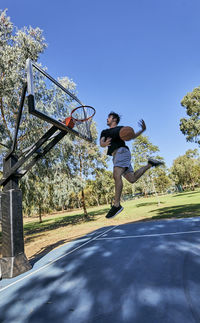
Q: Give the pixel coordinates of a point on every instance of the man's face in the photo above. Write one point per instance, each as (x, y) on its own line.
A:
(110, 120)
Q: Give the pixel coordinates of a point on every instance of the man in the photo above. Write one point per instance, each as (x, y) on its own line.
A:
(121, 158)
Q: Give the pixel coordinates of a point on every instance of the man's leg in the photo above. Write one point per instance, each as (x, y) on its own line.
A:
(117, 208)
(132, 177)
(117, 175)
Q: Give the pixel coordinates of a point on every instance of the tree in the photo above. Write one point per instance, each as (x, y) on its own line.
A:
(142, 149)
(190, 126)
(128, 190)
(185, 170)
(162, 180)
(101, 189)
(15, 47)
(88, 160)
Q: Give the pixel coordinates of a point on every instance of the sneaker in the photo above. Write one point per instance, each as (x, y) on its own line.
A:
(114, 211)
(155, 163)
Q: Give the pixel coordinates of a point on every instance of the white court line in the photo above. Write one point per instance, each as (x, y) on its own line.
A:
(148, 235)
(53, 261)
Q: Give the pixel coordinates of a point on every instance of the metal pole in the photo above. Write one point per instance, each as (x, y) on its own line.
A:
(13, 261)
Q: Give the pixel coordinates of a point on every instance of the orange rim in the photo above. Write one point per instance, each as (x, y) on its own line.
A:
(89, 112)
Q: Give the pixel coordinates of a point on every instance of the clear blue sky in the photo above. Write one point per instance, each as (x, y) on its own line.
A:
(136, 57)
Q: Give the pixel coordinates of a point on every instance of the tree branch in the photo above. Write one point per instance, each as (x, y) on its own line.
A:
(3, 118)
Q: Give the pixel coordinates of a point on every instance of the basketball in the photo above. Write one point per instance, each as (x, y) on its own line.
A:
(127, 133)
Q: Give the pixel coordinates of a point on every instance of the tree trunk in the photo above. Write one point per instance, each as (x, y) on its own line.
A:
(83, 204)
(40, 213)
(97, 200)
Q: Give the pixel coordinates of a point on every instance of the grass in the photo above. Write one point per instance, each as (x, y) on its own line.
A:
(58, 229)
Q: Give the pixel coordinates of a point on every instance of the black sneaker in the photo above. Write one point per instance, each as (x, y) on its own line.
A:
(114, 211)
(155, 163)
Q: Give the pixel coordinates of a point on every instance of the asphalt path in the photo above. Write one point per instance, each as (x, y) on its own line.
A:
(144, 272)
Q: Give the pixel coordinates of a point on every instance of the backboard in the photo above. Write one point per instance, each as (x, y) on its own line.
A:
(52, 102)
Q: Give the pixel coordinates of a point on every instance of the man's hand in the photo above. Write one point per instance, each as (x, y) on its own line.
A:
(105, 143)
(142, 124)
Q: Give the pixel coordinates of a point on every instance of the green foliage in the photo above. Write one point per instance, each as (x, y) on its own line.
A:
(162, 181)
(185, 170)
(101, 189)
(15, 47)
(142, 149)
(190, 126)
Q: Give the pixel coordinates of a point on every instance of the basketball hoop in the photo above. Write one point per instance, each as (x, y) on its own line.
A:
(80, 114)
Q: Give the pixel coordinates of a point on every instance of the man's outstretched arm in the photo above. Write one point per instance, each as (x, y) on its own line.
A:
(141, 124)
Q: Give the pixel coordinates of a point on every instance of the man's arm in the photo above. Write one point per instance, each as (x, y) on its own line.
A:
(105, 143)
(141, 124)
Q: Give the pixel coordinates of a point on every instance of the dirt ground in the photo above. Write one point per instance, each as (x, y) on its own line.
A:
(39, 243)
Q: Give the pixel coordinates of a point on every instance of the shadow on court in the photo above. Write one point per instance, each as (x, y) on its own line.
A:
(45, 250)
(140, 272)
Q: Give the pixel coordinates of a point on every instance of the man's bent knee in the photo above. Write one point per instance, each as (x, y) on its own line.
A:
(118, 172)
(130, 177)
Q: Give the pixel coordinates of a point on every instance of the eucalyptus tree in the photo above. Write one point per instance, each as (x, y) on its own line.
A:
(100, 190)
(88, 159)
(16, 45)
(142, 149)
(185, 170)
(190, 126)
(162, 180)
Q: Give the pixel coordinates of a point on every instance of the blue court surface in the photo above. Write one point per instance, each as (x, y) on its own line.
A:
(144, 272)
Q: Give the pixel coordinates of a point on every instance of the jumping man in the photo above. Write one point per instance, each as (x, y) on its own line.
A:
(121, 159)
